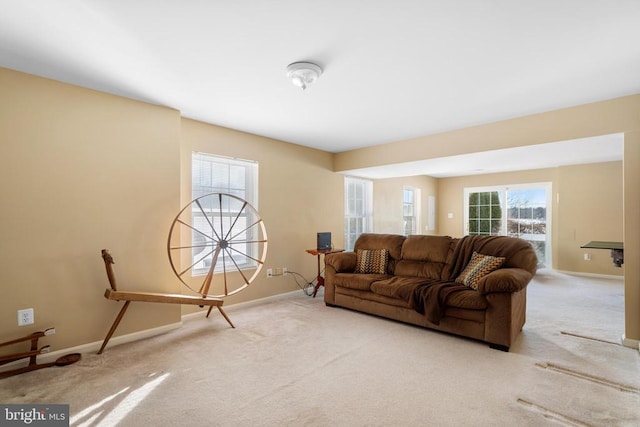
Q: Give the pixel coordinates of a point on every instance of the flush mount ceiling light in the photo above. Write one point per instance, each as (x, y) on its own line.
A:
(302, 74)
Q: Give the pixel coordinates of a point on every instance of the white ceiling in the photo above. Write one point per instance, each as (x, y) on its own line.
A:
(393, 70)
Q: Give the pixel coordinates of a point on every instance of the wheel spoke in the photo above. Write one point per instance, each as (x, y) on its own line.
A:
(245, 229)
(195, 229)
(235, 220)
(246, 281)
(244, 254)
(221, 218)
(207, 218)
(204, 245)
(196, 262)
(224, 273)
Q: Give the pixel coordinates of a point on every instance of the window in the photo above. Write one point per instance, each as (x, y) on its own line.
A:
(484, 213)
(358, 195)
(410, 210)
(522, 211)
(214, 174)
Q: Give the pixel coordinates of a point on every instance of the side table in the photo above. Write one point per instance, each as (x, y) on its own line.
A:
(319, 278)
(617, 250)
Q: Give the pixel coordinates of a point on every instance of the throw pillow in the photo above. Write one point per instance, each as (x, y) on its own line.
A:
(479, 266)
(372, 261)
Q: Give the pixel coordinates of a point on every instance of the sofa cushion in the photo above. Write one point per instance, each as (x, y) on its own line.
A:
(357, 281)
(425, 270)
(518, 253)
(397, 286)
(425, 256)
(372, 261)
(363, 298)
(426, 248)
(479, 266)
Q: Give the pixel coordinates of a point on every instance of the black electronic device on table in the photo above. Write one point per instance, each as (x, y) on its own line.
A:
(324, 241)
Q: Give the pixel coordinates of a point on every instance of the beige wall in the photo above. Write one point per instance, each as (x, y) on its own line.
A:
(631, 180)
(83, 170)
(586, 205)
(387, 202)
(620, 115)
(299, 194)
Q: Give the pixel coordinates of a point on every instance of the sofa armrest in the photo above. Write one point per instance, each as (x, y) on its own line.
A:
(504, 280)
(341, 262)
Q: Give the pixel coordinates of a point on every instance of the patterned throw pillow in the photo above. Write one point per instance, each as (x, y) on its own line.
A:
(372, 261)
(479, 266)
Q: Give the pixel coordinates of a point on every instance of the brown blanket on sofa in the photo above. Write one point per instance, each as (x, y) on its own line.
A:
(430, 298)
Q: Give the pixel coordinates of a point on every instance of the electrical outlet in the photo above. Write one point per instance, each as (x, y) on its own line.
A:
(587, 257)
(25, 317)
(269, 272)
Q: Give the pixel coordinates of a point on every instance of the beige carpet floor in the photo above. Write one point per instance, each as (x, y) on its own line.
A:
(295, 362)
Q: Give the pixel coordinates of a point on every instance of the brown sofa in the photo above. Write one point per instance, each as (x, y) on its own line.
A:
(418, 284)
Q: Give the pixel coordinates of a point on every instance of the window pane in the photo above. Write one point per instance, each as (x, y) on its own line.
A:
(214, 174)
(358, 209)
(237, 176)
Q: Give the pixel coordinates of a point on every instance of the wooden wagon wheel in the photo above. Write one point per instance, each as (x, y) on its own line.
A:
(227, 236)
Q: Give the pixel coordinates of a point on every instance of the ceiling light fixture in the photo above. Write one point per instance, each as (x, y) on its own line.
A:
(302, 74)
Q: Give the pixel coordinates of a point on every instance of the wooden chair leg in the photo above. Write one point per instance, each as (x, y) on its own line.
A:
(114, 326)
(209, 311)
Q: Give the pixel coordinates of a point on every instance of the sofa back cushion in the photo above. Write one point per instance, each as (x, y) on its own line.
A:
(517, 253)
(391, 242)
(425, 256)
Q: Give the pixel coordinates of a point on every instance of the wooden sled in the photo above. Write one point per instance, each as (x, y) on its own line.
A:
(33, 353)
(127, 297)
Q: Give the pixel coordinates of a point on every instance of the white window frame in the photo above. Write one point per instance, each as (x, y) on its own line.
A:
(410, 210)
(245, 188)
(503, 190)
(358, 209)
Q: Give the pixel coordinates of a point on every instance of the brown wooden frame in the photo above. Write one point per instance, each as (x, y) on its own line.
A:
(127, 297)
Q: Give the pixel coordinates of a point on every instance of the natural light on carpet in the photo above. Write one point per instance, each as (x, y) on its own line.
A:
(118, 413)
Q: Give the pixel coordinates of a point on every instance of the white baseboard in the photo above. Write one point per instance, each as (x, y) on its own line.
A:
(135, 336)
(123, 339)
(250, 303)
(95, 346)
(594, 275)
(631, 343)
